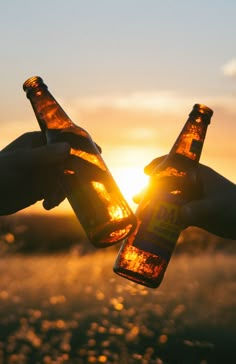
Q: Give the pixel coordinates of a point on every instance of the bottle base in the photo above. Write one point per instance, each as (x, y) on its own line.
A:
(111, 234)
(138, 278)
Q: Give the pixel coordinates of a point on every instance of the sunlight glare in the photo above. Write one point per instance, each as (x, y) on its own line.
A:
(131, 180)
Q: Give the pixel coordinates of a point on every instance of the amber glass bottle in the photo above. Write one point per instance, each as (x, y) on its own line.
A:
(89, 186)
(145, 254)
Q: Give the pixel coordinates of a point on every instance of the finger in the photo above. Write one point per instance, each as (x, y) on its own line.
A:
(88, 170)
(50, 154)
(207, 215)
(54, 200)
(185, 185)
(154, 163)
(27, 140)
(47, 182)
(99, 148)
(41, 156)
(197, 212)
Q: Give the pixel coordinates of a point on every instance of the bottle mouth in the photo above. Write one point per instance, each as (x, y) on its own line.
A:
(203, 109)
(32, 82)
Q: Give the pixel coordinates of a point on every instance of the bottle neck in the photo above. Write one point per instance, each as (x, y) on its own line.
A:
(48, 112)
(190, 141)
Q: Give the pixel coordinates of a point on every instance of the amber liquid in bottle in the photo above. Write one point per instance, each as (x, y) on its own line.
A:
(88, 184)
(145, 254)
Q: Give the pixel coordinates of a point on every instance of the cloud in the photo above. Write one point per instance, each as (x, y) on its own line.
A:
(134, 101)
(162, 103)
(229, 68)
(144, 116)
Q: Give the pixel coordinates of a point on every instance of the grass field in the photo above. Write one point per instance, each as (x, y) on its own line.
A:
(73, 309)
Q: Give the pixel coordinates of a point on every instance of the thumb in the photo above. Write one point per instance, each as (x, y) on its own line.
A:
(45, 155)
(148, 169)
(51, 153)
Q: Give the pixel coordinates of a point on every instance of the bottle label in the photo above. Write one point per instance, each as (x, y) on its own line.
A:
(196, 146)
(160, 226)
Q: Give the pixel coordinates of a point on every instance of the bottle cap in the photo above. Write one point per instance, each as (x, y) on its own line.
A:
(32, 83)
(205, 111)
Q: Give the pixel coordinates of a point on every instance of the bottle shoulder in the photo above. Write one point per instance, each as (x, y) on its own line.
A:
(77, 130)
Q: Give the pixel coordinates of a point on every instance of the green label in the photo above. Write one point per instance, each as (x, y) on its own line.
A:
(160, 226)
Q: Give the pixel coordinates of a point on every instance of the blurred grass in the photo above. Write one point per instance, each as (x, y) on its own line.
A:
(40, 233)
(74, 309)
(61, 302)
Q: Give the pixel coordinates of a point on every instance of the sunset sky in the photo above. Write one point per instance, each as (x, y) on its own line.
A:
(128, 71)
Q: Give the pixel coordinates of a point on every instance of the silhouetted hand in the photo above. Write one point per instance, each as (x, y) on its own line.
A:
(214, 208)
(30, 171)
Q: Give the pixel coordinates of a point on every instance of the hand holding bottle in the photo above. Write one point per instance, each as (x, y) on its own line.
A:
(31, 171)
(214, 210)
(87, 182)
(145, 255)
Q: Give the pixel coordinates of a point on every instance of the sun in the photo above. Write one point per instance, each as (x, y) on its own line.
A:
(130, 180)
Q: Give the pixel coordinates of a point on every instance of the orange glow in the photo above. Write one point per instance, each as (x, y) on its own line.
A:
(90, 157)
(131, 180)
(131, 254)
(114, 211)
(68, 171)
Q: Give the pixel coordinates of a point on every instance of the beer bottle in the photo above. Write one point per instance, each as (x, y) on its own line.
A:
(145, 254)
(88, 184)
